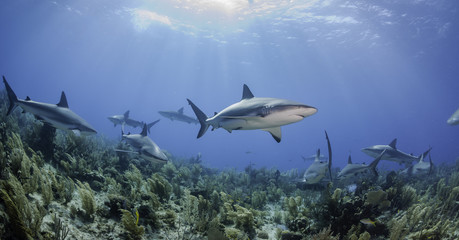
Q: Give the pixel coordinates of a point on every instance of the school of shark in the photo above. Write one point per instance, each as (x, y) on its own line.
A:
(359, 200)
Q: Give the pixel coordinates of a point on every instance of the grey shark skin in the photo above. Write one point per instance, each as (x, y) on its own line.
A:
(392, 153)
(178, 115)
(354, 170)
(251, 113)
(125, 120)
(119, 119)
(420, 168)
(316, 171)
(145, 146)
(57, 115)
(454, 119)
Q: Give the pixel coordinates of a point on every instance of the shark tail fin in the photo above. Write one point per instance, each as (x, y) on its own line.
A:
(329, 156)
(201, 117)
(151, 125)
(375, 163)
(11, 97)
(431, 165)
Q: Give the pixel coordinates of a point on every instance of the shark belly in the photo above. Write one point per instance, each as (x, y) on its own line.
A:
(257, 122)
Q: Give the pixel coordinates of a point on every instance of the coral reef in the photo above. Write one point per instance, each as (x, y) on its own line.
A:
(55, 185)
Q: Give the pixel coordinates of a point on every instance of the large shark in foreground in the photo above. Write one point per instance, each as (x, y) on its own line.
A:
(454, 119)
(392, 153)
(317, 170)
(251, 113)
(57, 115)
(352, 170)
(178, 115)
(145, 146)
(125, 120)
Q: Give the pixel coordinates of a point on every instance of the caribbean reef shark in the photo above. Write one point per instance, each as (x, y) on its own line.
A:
(420, 168)
(454, 119)
(317, 170)
(144, 146)
(392, 153)
(125, 120)
(57, 115)
(355, 170)
(251, 113)
(178, 115)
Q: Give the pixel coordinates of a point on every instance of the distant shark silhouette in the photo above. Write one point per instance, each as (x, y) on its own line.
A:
(251, 113)
(57, 115)
(144, 146)
(392, 153)
(125, 120)
(178, 115)
(454, 119)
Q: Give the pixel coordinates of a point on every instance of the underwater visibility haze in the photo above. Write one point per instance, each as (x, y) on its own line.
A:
(380, 77)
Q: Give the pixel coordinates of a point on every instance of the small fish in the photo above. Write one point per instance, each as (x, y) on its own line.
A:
(368, 223)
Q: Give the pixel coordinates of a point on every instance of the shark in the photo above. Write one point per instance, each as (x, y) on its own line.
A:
(125, 120)
(392, 153)
(251, 113)
(56, 115)
(178, 115)
(354, 170)
(318, 169)
(420, 168)
(454, 119)
(144, 146)
(119, 119)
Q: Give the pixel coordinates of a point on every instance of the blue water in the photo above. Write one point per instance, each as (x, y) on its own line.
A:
(376, 70)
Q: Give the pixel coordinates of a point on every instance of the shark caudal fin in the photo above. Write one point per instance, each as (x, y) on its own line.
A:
(151, 125)
(424, 155)
(11, 96)
(201, 117)
(329, 155)
(375, 163)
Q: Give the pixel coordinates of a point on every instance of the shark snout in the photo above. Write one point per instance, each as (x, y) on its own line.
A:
(307, 111)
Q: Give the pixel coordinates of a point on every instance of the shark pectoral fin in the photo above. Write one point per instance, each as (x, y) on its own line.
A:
(275, 132)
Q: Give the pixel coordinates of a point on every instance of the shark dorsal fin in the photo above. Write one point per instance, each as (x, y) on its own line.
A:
(246, 93)
(393, 144)
(318, 155)
(180, 110)
(349, 160)
(144, 130)
(27, 98)
(63, 102)
(126, 114)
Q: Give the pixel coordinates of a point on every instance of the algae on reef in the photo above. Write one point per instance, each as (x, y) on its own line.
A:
(98, 193)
